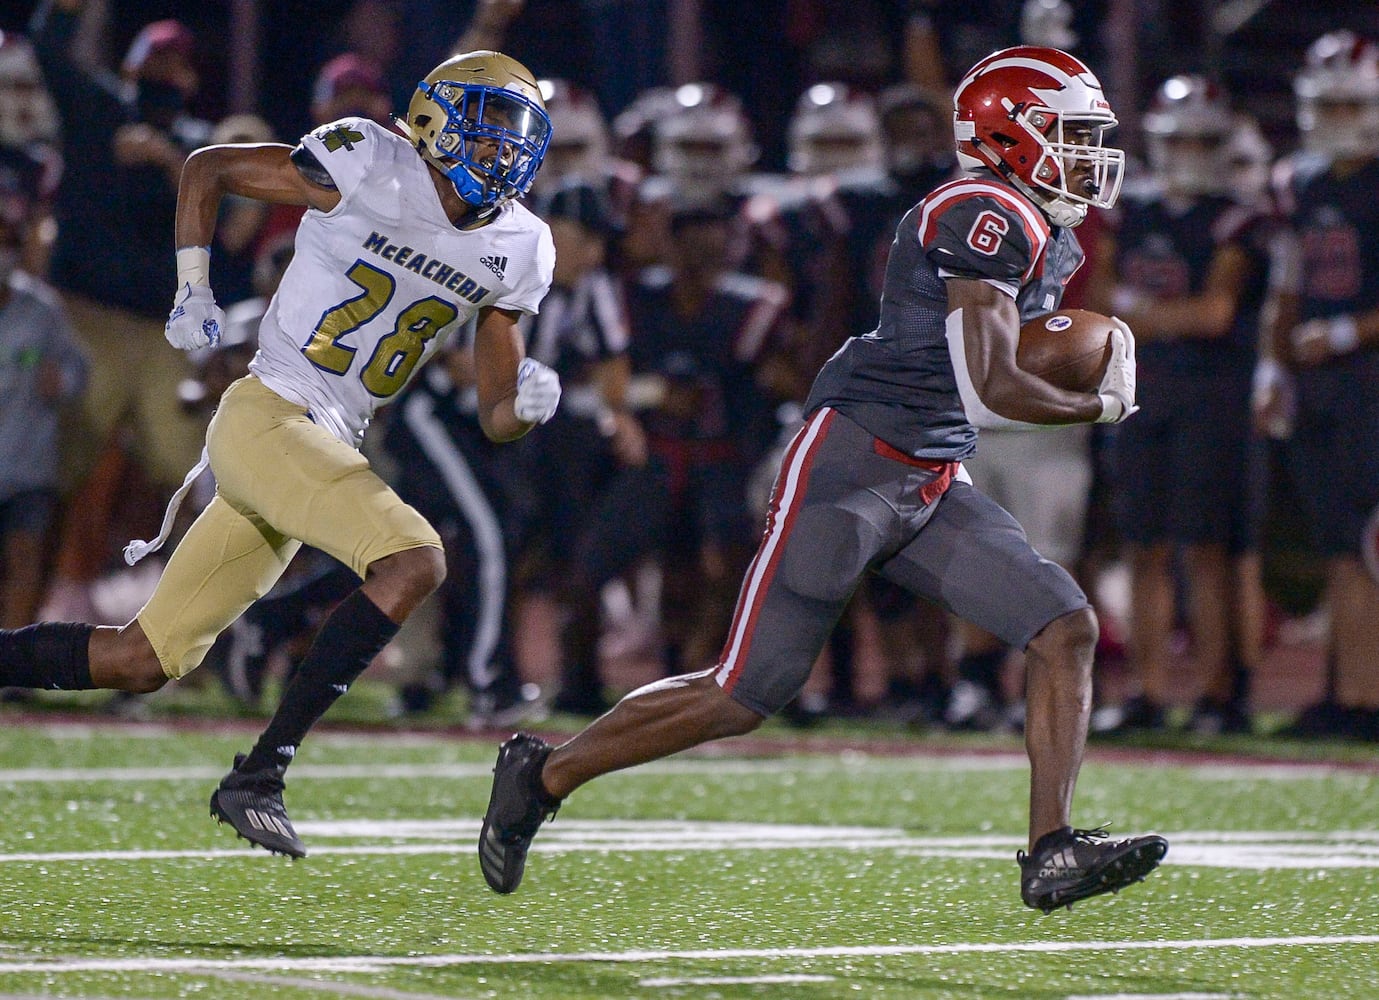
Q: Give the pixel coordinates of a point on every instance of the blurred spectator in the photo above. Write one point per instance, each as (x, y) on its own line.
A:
(1185, 266)
(350, 85)
(27, 112)
(29, 135)
(42, 371)
(124, 139)
(1317, 385)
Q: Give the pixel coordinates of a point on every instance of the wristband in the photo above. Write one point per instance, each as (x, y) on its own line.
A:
(1341, 335)
(1268, 373)
(1112, 408)
(194, 266)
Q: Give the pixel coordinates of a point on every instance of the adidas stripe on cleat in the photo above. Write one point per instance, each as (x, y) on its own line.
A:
(1069, 865)
(253, 805)
(517, 807)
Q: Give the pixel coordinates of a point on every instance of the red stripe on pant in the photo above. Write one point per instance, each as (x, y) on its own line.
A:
(791, 485)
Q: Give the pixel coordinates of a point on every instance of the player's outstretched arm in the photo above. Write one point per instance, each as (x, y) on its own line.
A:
(515, 392)
(262, 171)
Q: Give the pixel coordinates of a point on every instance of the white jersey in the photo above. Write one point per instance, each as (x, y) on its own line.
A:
(378, 283)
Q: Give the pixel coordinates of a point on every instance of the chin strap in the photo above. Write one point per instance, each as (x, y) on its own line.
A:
(137, 549)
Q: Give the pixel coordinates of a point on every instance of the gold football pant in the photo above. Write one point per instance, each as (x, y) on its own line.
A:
(280, 481)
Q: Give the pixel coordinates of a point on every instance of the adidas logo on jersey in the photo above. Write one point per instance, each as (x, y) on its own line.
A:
(495, 264)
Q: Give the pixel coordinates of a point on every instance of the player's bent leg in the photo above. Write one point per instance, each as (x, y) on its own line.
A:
(123, 659)
(225, 562)
(531, 779)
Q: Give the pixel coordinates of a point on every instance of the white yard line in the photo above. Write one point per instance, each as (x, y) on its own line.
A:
(366, 963)
(1236, 850)
(323, 986)
(733, 980)
(1152, 996)
(850, 762)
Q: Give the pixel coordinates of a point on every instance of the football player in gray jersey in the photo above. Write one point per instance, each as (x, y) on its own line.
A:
(874, 482)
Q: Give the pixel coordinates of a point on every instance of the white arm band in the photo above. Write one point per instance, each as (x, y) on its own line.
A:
(977, 412)
(194, 266)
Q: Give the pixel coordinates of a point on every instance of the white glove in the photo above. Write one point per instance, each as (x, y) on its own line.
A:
(1117, 389)
(538, 392)
(1273, 399)
(195, 320)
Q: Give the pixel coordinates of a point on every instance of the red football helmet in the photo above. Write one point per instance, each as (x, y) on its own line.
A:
(1188, 127)
(1037, 117)
(1338, 96)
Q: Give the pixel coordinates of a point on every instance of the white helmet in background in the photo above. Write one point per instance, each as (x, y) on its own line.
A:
(579, 132)
(704, 141)
(1187, 128)
(835, 129)
(1338, 96)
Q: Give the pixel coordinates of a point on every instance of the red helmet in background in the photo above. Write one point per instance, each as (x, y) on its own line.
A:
(1038, 117)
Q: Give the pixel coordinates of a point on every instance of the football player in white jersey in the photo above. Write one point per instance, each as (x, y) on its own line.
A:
(408, 235)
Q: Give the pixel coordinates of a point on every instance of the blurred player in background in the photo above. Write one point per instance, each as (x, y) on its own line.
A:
(1185, 263)
(874, 482)
(1317, 385)
(406, 238)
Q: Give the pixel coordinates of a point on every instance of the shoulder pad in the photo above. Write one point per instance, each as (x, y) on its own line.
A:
(309, 167)
(983, 228)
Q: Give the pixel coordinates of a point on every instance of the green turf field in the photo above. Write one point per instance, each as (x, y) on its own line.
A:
(725, 876)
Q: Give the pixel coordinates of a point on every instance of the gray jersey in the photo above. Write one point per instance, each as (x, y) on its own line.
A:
(898, 380)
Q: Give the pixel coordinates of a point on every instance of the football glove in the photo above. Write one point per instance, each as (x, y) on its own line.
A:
(1117, 389)
(195, 320)
(538, 392)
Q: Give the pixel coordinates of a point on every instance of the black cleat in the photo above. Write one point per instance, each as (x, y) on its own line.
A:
(253, 805)
(1069, 865)
(517, 807)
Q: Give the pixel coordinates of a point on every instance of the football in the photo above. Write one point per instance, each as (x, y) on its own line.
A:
(1069, 348)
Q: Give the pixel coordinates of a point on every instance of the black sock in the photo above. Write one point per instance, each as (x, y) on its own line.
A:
(52, 655)
(983, 669)
(352, 636)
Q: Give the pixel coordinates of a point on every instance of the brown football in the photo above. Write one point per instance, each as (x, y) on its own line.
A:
(1069, 348)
